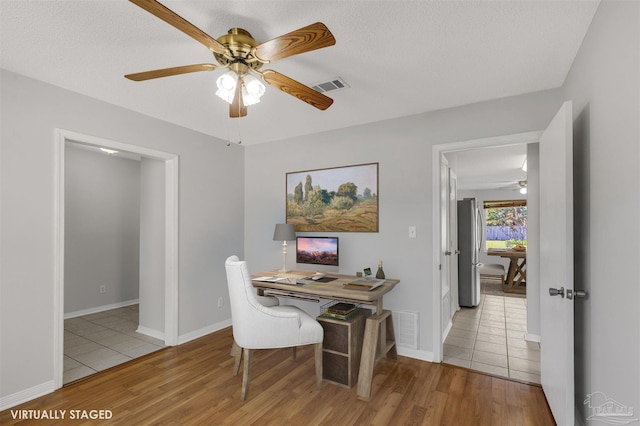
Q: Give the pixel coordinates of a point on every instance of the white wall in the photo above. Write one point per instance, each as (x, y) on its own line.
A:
(605, 88)
(152, 248)
(533, 244)
(403, 147)
(102, 229)
(211, 218)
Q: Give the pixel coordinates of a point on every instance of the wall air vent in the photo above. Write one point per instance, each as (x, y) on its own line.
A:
(332, 85)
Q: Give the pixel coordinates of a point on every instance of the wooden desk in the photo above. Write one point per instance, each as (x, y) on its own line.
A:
(379, 337)
(517, 274)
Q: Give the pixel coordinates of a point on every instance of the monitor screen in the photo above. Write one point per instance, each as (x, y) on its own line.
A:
(317, 250)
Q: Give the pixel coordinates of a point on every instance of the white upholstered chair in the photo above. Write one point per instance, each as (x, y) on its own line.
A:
(256, 326)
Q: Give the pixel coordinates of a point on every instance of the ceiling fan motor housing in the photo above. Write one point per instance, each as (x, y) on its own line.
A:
(240, 43)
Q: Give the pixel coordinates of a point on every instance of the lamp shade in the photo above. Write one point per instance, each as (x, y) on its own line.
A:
(284, 232)
(227, 86)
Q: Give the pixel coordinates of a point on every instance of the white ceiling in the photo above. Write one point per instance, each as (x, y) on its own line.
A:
(489, 168)
(399, 57)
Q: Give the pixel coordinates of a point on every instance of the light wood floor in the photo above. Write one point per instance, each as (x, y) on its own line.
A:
(192, 384)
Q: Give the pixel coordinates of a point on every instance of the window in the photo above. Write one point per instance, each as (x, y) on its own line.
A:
(506, 223)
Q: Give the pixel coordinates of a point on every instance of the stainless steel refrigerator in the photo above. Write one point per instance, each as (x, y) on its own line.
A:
(470, 238)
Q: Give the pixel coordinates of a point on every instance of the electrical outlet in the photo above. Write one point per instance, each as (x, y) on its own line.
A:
(103, 289)
(220, 302)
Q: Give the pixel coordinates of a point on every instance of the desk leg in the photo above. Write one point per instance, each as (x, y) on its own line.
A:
(379, 341)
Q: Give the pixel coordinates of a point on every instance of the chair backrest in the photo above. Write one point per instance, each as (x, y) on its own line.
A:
(255, 325)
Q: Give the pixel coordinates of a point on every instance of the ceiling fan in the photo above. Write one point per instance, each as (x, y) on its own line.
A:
(238, 52)
(519, 185)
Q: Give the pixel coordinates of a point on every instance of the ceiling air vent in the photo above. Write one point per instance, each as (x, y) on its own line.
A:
(332, 85)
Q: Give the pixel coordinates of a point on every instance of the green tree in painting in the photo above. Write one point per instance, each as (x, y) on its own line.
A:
(348, 189)
(297, 196)
(314, 204)
(308, 187)
(366, 193)
(341, 203)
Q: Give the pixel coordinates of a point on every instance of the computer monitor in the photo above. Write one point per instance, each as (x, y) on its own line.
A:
(317, 251)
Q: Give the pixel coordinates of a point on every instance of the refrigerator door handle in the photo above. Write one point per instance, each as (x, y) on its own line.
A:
(480, 229)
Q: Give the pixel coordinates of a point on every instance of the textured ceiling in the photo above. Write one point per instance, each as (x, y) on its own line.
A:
(399, 57)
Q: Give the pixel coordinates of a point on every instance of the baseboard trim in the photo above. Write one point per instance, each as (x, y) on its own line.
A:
(184, 338)
(447, 330)
(150, 332)
(532, 337)
(26, 395)
(416, 354)
(101, 308)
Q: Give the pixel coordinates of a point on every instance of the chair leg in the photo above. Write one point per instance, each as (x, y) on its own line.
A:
(293, 352)
(318, 357)
(236, 352)
(246, 374)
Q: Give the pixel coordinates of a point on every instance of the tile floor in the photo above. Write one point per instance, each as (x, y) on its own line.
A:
(102, 340)
(490, 338)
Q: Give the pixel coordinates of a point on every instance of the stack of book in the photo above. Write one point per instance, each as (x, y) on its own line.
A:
(341, 311)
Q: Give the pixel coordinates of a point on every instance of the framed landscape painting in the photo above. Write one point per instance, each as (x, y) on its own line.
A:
(339, 199)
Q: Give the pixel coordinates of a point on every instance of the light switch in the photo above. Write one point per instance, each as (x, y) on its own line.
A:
(412, 232)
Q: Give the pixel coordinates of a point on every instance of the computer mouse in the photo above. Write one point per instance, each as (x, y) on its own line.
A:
(316, 277)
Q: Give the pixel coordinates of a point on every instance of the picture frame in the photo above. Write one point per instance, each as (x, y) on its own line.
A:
(337, 199)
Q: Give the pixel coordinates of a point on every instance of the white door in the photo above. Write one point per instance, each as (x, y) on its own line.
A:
(453, 241)
(556, 265)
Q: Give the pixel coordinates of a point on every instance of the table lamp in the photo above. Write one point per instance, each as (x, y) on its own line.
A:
(284, 232)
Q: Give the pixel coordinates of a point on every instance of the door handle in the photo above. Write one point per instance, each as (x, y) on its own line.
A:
(447, 253)
(557, 292)
(578, 294)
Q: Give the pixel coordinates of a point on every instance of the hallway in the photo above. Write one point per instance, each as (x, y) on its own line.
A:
(490, 338)
(99, 341)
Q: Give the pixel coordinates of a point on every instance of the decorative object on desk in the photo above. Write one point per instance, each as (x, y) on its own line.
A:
(284, 232)
(341, 199)
(380, 273)
(367, 272)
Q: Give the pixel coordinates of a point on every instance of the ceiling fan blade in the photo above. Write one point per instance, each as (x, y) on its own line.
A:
(311, 37)
(166, 72)
(172, 18)
(237, 108)
(299, 90)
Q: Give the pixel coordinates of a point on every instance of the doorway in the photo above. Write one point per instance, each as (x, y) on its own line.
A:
(438, 153)
(169, 184)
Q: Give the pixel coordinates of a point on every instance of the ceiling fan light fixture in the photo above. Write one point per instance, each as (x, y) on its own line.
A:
(252, 90)
(227, 86)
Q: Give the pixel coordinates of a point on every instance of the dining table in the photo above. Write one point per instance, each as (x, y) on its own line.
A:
(516, 278)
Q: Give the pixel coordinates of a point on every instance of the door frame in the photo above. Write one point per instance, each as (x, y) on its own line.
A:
(438, 151)
(171, 188)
